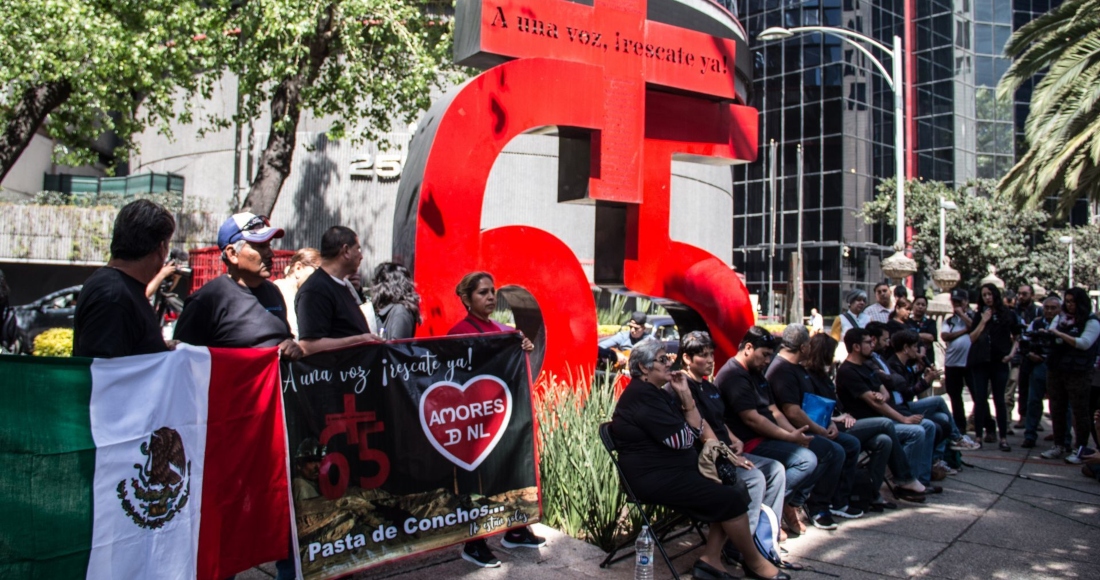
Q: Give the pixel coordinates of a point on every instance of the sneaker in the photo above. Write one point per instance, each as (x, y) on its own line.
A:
(1028, 443)
(990, 437)
(478, 553)
(965, 443)
(1011, 431)
(824, 521)
(943, 465)
(1040, 427)
(1056, 452)
(1019, 424)
(1075, 457)
(938, 473)
(522, 538)
(848, 512)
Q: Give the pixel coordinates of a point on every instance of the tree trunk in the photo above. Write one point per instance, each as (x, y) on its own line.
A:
(278, 154)
(27, 116)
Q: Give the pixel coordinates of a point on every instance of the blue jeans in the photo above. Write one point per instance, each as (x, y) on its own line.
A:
(851, 447)
(878, 436)
(935, 410)
(1035, 393)
(767, 484)
(918, 442)
(814, 470)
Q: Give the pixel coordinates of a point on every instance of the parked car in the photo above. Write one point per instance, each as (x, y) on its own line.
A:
(54, 310)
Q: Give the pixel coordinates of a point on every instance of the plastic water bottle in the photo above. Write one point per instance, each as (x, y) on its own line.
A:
(643, 548)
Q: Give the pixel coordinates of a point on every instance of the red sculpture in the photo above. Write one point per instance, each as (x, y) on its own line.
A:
(634, 93)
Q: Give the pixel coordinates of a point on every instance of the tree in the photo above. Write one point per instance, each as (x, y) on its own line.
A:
(1063, 127)
(985, 229)
(79, 69)
(1051, 258)
(361, 63)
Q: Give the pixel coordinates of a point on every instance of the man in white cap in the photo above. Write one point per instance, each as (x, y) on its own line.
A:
(242, 308)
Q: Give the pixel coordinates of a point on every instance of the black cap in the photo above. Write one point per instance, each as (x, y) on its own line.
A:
(638, 318)
(960, 295)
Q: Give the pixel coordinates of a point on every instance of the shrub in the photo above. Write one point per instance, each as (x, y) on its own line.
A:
(581, 495)
(54, 342)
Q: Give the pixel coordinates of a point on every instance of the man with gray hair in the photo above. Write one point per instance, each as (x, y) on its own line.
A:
(790, 383)
(243, 308)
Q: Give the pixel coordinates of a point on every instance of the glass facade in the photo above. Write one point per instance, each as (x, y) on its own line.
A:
(817, 91)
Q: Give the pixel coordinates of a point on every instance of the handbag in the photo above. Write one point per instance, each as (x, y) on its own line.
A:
(716, 463)
(818, 409)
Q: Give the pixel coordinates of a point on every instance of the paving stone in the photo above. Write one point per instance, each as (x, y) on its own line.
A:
(966, 561)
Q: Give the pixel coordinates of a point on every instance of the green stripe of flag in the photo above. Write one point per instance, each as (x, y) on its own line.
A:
(47, 462)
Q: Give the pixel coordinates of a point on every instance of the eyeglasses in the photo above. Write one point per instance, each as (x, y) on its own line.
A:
(256, 223)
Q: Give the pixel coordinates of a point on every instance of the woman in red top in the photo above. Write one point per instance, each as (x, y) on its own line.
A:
(479, 296)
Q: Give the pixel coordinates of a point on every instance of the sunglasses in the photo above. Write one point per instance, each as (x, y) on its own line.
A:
(257, 222)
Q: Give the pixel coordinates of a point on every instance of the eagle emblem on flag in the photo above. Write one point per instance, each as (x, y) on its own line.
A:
(163, 482)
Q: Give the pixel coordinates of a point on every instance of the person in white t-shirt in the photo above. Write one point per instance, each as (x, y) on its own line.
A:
(956, 333)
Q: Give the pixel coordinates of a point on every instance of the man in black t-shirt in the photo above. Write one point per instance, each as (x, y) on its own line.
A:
(837, 453)
(752, 416)
(113, 317)
(243, 308)
(863, 395)
(328, 313)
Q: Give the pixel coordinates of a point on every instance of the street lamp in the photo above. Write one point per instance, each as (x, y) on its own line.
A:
(945, 277)
(897, 266)
(1069, 241)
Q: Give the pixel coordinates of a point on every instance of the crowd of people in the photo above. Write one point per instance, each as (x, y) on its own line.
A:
(818, 423)
(318, 306)
(821, 428)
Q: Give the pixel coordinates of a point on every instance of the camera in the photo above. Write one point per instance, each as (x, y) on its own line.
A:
(1036, 342)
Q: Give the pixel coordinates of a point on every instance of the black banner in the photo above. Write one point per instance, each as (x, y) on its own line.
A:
(408, 446)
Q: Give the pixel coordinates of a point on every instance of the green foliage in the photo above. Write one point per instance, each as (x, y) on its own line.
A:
(54, 342)
(581, 495)
(1051, 258)
(118, 67)
(985, 230)
(1063, 126)
(173, 200)
(615, 313)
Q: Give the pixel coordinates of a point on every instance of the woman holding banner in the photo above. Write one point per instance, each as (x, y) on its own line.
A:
(479, 296)
(655, 431)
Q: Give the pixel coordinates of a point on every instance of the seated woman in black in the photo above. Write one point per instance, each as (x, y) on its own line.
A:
(655, 431)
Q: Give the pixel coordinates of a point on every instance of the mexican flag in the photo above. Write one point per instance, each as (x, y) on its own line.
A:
(168, 465)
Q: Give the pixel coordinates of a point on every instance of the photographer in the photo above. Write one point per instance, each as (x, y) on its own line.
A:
(1034, 349)
(1070, 363)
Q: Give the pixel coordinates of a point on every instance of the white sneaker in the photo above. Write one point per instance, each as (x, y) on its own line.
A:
(965, 443)
(943, 464)
(1056, 452)
(1075, 457)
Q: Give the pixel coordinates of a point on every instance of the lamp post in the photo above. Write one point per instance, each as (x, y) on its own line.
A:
(945, 277)
(1069, 241)
(898, 266)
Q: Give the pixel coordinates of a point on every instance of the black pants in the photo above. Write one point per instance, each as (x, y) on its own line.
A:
(1023, 384)
(954, 379)
(989, 378)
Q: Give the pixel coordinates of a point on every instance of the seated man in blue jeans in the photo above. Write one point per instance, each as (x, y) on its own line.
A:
(812, 463)
(790, 382)
(910, 379)
(860, 390)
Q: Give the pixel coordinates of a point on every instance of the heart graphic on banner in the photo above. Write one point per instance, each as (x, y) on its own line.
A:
(465, 422)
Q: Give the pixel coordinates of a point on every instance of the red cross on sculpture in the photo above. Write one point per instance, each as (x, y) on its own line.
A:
(633, 85)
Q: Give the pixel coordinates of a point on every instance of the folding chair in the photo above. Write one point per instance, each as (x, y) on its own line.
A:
(662, 531)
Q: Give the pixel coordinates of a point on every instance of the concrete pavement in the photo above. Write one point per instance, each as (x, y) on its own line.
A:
(1012, 515)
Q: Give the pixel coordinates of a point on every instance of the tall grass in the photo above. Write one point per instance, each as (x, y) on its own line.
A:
(581, 495)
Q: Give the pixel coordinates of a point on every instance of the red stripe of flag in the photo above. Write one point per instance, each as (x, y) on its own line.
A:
(245, 501)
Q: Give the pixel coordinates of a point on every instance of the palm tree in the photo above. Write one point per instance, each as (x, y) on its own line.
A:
(1063, 127)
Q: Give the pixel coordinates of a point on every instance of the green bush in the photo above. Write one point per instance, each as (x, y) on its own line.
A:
(54, 342)
(581, 495)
